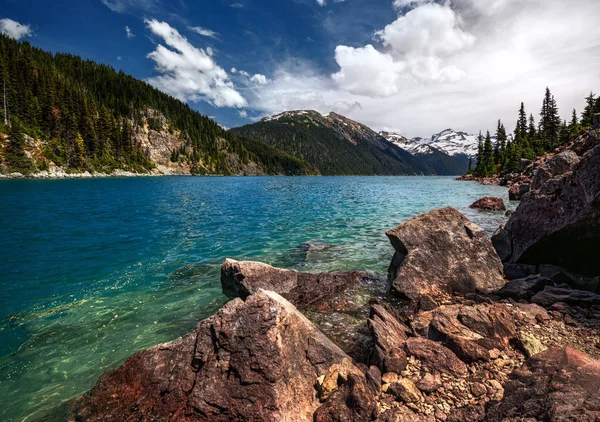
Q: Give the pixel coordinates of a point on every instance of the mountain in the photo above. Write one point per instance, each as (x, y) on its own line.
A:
(333, 144)
(444, 152)
(71, 115)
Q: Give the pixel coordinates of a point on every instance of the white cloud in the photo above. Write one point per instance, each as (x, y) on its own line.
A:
(123, 6)
(14, 29)
(366, 71)
(259, 79)
(418, 43)
(204, 32)
(236, 5)
(190, 73)
(119, 58)
(129, 33)
(428, 30)
(243, 114)
(463, 67)
(409, 3)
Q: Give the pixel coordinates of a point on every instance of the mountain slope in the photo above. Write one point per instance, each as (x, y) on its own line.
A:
(434, 154)
(334, 144)
(75, 115)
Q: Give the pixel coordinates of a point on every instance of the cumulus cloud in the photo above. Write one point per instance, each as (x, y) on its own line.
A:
(204, 32)
(14, 29)
(460, 64)
(366, 71)
(129, 33)
(417, 44)
(190, 73)
(236, 5)
(259, 79)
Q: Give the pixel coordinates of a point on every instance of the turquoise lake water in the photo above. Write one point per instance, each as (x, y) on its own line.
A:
(94, 270)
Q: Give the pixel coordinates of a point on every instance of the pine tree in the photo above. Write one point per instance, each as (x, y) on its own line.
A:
(550, 121)
(500, 147)
(488, 156)
(574, 122)
(588, 112)
(521, 130)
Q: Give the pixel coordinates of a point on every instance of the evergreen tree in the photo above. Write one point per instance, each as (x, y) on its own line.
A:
(588, 112)
(488, 167)
(500, 147)
(550, 121)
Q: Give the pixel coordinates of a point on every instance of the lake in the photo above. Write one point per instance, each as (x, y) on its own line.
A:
(94, 270)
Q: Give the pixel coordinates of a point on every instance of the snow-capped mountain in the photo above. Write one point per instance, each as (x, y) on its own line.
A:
(410, 145)
(447, 141)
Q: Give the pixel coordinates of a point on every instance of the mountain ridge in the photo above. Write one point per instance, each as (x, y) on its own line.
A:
(333, 144)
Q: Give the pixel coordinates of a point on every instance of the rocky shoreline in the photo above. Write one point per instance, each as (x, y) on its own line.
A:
(463, 327)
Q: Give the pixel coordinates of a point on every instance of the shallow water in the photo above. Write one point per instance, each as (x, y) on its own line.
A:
(94, 270)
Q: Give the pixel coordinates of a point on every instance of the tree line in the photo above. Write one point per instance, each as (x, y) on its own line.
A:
(87, 116)
(530, 139)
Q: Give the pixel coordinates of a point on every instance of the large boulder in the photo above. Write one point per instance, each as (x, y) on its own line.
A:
(256, 360)
(489, 203)
(555, 294)
(243, 278)
(558, 224)
(440, 253)
(559, 384)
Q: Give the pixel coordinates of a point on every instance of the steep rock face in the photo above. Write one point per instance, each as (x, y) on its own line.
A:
(560, 384)
(443, 252)
(302, 289)
(556, 166)
(558, 223)
(254, 360)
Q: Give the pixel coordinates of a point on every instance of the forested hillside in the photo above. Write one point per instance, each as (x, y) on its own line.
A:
(78, 115)
(334, 144)
(531, 139)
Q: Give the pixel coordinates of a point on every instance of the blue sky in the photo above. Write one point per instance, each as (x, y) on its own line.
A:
(413, 66)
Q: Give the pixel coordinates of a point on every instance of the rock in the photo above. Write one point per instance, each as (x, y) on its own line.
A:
(337, 374)
(524, 288)
(429, 383)
(389, 336)
(488, 325)
(435, 356)
(254, 360)
(556, 385)
(530, 344)
(514, 271)
(489, 203)
(596, 121)
(524, 163)
(509, 213)
(518, 190)
(302, 289)
(559, 224)
(478, 389)
(501, 243)
(559, 164)
(467, 350)
(406, 391)
(474, 413)
(443, 252)
(554, 294)
(353, 401)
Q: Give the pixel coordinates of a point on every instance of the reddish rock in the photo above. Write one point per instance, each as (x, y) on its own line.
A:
(517, 190)
(524, 288)
(489, 203)
(559, 223)
(558, 384)
(556, 166)
(555, 294)
(389, 336)
(353, 401)
(435, 356)
(255, 360)
(243, 278)
(440, 253)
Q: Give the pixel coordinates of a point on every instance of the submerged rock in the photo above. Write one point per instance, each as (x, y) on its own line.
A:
(254, 360)
(442, 252)
(489, 203)
(243, 278)
(558, 384)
